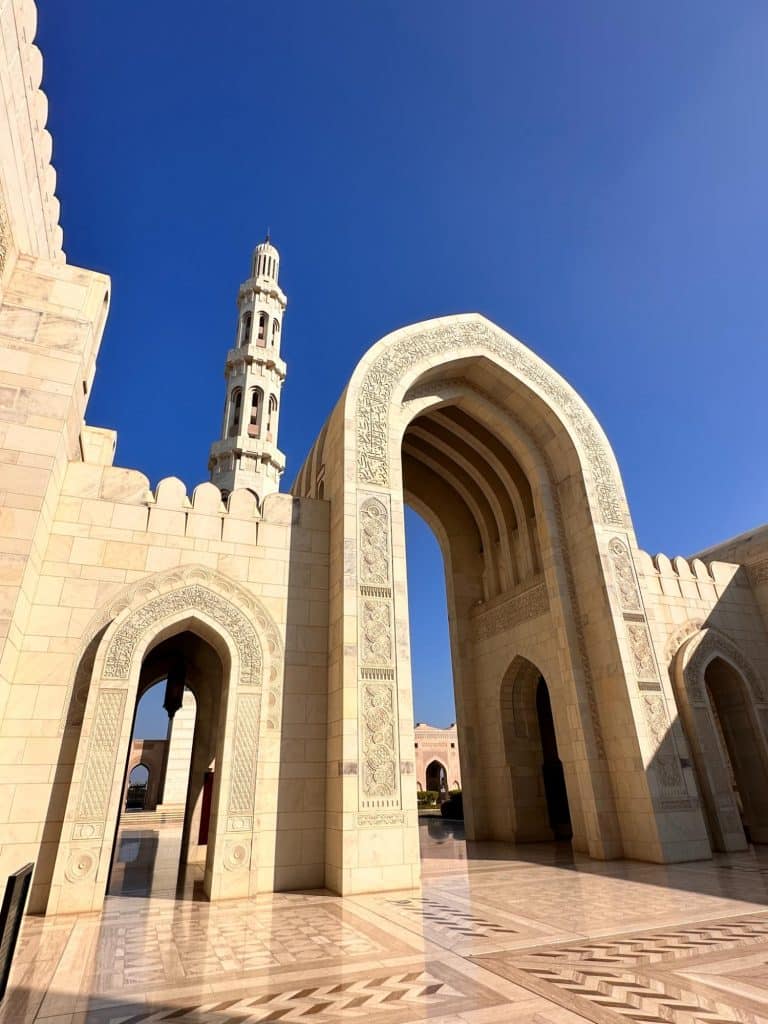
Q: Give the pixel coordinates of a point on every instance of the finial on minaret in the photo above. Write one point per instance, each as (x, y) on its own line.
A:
(247, 454)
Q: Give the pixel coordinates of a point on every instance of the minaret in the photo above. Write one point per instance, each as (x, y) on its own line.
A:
(247, 454)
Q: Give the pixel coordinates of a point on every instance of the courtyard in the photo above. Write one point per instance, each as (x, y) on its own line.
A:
(530, 934)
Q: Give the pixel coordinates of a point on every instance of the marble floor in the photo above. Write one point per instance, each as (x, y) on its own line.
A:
(529, 934)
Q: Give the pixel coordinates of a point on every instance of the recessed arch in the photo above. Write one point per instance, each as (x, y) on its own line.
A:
(526, 517)
(151, 613)
(722, 703)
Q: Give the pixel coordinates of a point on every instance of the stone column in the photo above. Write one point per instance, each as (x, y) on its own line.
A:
(181, 729)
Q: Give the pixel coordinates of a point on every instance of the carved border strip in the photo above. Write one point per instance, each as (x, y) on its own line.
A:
(378, 719)
(396, 359)
(100, 760)
(530, 604)
(193, 596)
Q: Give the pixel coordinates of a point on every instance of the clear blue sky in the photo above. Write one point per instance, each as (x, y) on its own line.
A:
(591, 176)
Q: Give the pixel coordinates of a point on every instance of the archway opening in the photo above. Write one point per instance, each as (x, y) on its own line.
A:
(553, 777)
(436, 741)
(533, 786)
(437, 779)
(740, 746)
(462, 475)
(161, 848)
(136, 796)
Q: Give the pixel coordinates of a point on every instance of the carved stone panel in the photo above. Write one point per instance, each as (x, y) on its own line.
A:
(379, 744)
(642, 652)
(245, 756)
(374, 543)
(624, 576)
(378, 779)
(376, 633)
(102, 756)
(665, 762)
(528, 605)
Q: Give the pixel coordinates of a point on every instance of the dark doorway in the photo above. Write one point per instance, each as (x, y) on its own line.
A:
(552, 767)
(740, 747)
(138, 781)
(437, 778)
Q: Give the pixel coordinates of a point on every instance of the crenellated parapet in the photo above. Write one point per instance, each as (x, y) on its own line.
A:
(684, 577)
(29, 209)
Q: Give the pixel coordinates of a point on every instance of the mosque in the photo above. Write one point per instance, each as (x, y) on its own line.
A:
(604, 694)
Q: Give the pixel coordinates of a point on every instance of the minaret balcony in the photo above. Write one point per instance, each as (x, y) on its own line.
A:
(264, 286)
(258, 354)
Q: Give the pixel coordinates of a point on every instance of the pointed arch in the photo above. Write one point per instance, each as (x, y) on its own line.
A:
(694, 666)
(241, 631)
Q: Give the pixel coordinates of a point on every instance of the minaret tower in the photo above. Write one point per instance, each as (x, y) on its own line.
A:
(247, 454)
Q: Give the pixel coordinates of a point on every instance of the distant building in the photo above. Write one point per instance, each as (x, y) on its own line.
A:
(437, 757)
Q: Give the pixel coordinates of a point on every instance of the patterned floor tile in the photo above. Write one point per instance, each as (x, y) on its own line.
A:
(680, 975)
(495, 935)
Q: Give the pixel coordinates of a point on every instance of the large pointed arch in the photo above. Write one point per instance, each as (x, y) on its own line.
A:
(460, 419)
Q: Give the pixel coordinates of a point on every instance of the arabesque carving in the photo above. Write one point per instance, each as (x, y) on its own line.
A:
(192, 597)
(642, 652)
(624, 574)
(396, 359)
(374, 543)
(379, 741)
(376, 632)
(516, 609)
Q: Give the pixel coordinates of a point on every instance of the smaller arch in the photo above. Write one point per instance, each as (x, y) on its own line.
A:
(246, 324)
(538, 796)
(721, 702)
(236, 403)
(436, 777)
(275, 331)
(254, 420)
(271, 415)
(137, 787)
(261, 336)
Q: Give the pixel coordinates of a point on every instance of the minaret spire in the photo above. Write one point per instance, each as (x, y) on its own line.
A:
(247, 454)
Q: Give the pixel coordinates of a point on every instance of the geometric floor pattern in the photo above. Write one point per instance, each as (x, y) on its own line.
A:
(684, 974)
(530, 934)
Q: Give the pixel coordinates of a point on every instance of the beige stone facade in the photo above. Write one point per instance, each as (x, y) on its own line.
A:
(436, 756)
(592, 680)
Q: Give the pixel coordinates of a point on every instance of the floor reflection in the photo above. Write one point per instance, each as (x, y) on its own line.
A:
(146, 866)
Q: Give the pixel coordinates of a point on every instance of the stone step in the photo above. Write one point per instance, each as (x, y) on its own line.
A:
(152, 819)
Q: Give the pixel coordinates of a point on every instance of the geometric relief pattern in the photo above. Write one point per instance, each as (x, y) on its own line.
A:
(120, 653)
(397, 358)
(102, 752)
(643, 977)
(244, 759)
